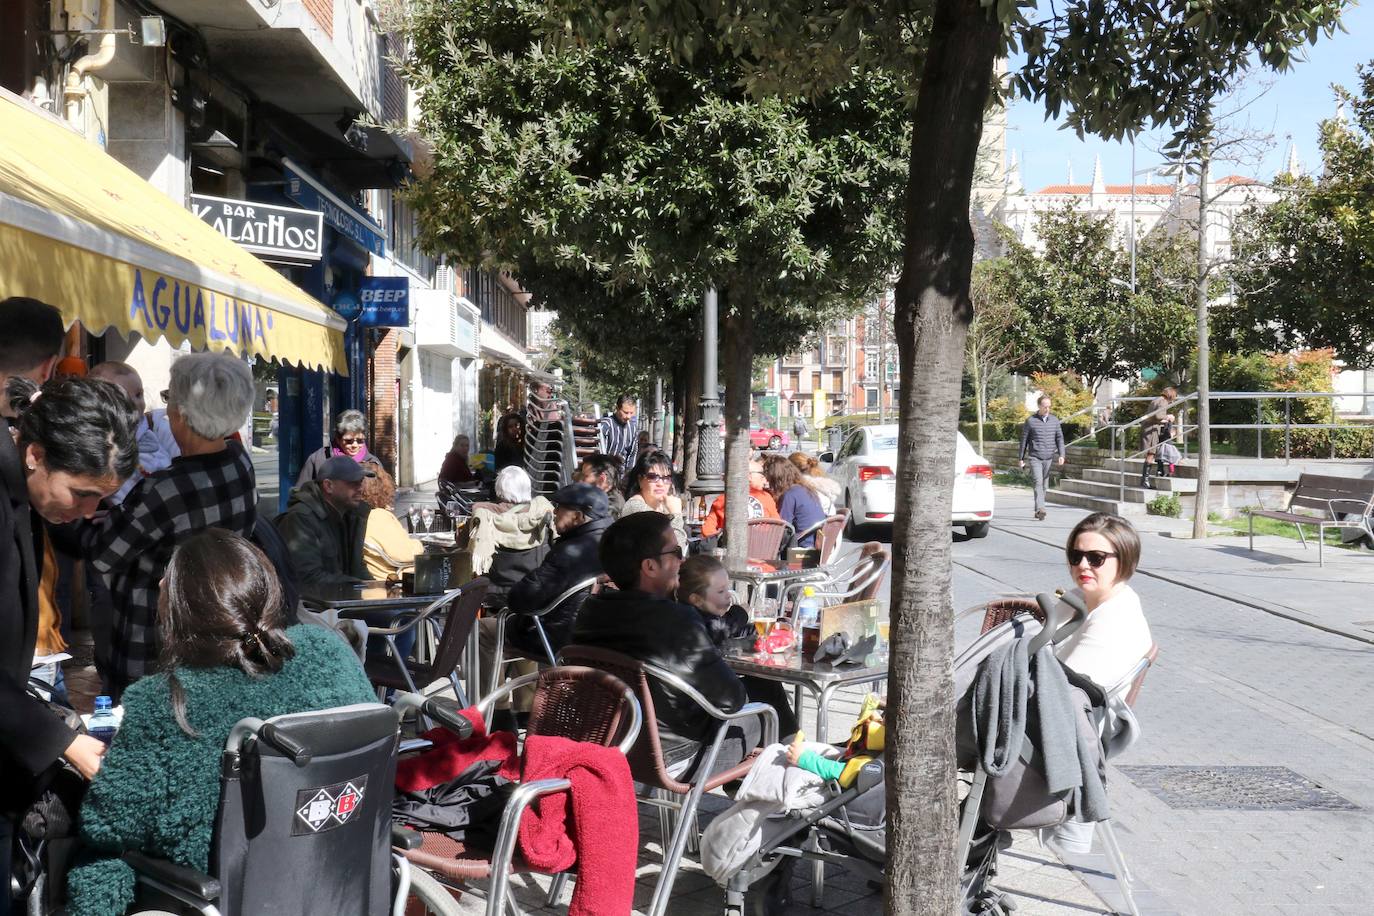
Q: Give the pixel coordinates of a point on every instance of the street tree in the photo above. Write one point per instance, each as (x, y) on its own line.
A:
(1304, 271)
(1110, 69)
(993, 343)
(645, 172)
(1080, 315)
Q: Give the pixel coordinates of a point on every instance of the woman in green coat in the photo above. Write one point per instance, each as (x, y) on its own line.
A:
(225, 657)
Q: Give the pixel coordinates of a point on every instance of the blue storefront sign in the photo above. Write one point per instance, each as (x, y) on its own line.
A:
(347, 305)
(385, 302)
(310, 194)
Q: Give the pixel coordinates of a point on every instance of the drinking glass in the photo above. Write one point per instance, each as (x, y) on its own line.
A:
(427, 517)
(414, 514)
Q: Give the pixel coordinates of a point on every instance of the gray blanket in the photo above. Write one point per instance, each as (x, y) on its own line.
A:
(1007, 685)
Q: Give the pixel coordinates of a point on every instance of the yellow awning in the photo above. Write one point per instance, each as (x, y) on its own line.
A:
(81, 231)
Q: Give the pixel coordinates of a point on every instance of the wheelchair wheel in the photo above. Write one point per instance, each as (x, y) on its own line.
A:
(436, 899)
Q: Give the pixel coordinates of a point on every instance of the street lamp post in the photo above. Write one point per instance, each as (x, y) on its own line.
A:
(710, 477)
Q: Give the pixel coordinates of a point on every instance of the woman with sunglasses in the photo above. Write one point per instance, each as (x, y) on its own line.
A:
(350, 439)
(650, 489)
(1103, 551)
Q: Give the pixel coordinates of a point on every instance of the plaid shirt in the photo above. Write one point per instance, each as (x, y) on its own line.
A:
(134, 543)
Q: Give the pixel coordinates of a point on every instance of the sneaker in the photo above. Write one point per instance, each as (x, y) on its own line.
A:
(1040, 515)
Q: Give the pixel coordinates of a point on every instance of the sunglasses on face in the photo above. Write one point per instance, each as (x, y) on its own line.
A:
(659, 478)
(1095, 558)
(352, 440)
(671, 552)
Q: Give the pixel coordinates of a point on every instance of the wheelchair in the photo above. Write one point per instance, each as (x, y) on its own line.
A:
(303, 827)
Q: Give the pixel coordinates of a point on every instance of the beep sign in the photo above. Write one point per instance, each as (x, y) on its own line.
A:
(385, 302)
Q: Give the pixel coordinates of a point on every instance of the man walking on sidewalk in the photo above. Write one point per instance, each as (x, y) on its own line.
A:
(1042, 442)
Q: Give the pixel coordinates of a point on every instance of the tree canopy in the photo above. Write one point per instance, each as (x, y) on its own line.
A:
(571, 163)
(1304, 271)
(1076, 309)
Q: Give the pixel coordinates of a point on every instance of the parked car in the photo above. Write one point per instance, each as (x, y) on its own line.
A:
(866, 468)
(769, 438)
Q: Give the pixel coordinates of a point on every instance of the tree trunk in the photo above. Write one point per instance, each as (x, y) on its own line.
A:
(933, 311)
(738, 338)
(691, 409)
(1204, 408)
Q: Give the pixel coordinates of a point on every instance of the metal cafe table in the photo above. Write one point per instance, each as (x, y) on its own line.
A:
(756, 582)
(819, 678)
(371, 601)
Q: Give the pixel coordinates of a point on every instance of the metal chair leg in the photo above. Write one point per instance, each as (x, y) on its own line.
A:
(972, 803)
(1123, 872)
(560, 881)
(686, 817)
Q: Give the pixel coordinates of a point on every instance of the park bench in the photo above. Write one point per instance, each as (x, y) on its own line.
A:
(1330, 502)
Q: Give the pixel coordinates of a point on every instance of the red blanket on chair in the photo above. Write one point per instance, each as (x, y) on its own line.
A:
(451, 755)
(595, 826)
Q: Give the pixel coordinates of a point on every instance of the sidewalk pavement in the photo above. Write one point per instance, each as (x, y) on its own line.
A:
(1279, 577)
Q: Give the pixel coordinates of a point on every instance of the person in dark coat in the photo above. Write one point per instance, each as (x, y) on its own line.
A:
(76, 445)
(324, 524)
(580, 516)
(642, 556)
(349, 440)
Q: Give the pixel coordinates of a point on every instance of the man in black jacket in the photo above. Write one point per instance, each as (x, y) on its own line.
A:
(641, 555)
(1042, 442)
(324, 524)
(580, 517)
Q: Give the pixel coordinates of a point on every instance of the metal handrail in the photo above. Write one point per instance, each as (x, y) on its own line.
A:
(1118, 430)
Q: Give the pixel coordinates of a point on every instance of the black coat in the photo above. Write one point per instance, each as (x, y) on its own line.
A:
(572, 559)
(31, 737)
(326, 548)
(670, 636)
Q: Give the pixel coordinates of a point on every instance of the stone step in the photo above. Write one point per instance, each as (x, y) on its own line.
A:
(1095, 503)
(1186, 469)
(1108, 491)
(1162, 484)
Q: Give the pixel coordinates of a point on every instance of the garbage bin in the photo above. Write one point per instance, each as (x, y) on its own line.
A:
(835, 438)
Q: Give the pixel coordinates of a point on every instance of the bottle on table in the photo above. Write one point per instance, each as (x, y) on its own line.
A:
(103, 723)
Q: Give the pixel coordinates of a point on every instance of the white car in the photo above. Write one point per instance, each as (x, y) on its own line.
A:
(866, 469)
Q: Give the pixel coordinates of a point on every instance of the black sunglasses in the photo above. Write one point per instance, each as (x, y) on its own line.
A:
(674, 551)
(1095, 558)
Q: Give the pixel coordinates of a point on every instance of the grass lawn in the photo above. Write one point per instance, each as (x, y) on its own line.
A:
(1014, 477)
(1241, 526)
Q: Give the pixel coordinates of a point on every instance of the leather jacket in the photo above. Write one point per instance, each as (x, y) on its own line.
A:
(572, 559)
(671, 636)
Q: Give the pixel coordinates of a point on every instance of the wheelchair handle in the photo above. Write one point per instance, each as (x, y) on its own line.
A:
(283, 742)
(447, 716)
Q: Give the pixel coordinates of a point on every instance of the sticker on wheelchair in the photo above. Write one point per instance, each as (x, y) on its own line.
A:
(327, 807)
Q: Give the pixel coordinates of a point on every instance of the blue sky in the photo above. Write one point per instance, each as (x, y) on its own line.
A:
(1293, 106)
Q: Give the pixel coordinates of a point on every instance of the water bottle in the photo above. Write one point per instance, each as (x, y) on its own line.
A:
(103, 725)
(809, 608)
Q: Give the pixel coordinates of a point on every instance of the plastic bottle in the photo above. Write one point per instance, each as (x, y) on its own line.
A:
(103, 725)
(809, 608)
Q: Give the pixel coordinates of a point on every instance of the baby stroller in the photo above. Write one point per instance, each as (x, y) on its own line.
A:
(849, 828)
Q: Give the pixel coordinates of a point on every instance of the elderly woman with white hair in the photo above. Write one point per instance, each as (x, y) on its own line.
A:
(510, 537)
(210, 485)
(348, 439)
